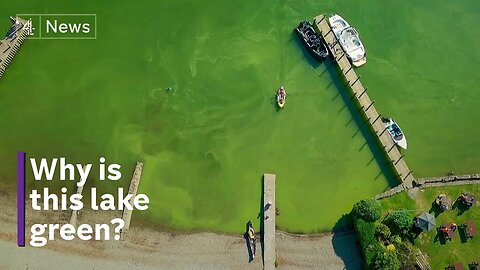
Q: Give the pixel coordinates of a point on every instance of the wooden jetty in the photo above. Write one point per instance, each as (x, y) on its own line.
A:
(366, 104)
(10, 45)
(127, 214)
(269, 255)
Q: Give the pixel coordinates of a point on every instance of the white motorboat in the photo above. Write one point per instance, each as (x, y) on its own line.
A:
(349, 39)
(395, 132)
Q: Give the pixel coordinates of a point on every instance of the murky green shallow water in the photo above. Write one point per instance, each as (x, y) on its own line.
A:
(207, 143)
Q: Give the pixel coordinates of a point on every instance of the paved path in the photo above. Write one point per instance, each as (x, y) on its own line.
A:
(451, 180)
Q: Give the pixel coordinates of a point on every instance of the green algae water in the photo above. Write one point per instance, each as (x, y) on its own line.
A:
(188, 87)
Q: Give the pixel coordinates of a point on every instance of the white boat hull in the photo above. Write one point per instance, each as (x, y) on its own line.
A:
(349, 40)
(396, 133)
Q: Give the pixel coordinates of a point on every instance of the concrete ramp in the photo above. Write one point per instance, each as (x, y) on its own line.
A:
(269, 255)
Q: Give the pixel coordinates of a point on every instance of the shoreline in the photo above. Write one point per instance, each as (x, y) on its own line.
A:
(145, 248)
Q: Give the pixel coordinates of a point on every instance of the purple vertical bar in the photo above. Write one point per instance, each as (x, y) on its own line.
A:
(21, 199)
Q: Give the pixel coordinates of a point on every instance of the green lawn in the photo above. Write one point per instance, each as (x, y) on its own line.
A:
(439, 253)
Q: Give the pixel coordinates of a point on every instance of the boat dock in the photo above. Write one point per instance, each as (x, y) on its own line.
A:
(10, 45)
(133, 189)
(366, 104)
(269, 213)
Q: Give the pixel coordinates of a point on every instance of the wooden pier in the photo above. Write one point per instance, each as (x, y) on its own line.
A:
(269, 254)
(366, 104)
(10, 45)
(133, 189)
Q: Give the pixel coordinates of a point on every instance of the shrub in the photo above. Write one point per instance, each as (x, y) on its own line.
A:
(386, 260)
(399, 222)
(395, 239)
(406, 255)
(369, 210)
(382, 231)
(366, 236)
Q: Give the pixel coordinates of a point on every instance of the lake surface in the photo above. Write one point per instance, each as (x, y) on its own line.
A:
(207, 142)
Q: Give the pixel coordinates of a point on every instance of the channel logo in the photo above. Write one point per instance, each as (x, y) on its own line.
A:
(61, 26)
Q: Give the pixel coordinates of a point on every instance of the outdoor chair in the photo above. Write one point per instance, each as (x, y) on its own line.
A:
(469, 229)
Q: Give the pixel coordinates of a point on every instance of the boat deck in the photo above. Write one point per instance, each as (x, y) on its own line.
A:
(10, 46)
(269, 254)
(366, 104)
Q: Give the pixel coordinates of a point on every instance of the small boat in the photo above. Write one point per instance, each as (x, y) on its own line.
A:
(395, 132)
(349, 39)
(312, 41)
(252, 242)
(281, 96)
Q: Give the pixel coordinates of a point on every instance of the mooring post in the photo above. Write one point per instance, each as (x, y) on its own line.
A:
(358, 78)
(363, 92)
(373, 101)
(399, 159)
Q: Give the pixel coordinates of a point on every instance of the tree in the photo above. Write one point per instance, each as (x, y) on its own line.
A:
(399, 222)
(386, 260)
(382, 231)
(368, 210)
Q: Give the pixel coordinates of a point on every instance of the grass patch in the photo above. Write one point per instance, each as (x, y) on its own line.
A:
(440, 253)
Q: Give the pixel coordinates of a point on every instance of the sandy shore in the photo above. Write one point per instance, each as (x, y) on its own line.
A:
(144, 248)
